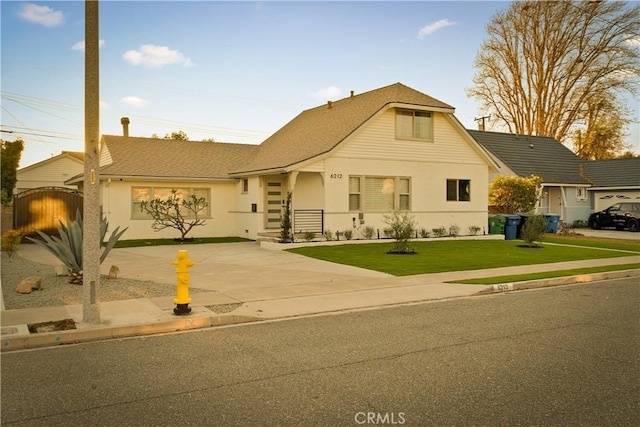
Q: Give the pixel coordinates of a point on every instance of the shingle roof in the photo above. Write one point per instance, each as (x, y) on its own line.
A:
(318, 130)
(151, 157)
(613, 172)
(533, 155)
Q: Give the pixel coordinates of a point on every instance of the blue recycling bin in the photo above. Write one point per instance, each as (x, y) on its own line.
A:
(511, 227)
(552, 223)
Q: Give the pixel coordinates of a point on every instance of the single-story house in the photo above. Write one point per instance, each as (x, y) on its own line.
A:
(346, 163)
(52, 172)
(565, 186)
(613, 181)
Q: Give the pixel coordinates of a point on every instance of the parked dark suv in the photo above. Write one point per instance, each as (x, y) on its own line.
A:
(621, 216)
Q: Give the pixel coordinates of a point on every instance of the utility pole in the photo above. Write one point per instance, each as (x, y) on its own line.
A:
(481, 125)
(91, 190)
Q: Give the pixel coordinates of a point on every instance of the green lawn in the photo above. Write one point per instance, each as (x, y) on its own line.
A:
(450, 255)
(624, 245)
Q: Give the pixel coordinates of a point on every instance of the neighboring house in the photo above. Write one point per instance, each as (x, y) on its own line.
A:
(613, 181)
(52, 172)
(565, 186)
(347, 163)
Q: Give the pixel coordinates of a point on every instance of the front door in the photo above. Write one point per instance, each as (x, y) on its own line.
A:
(275, 202)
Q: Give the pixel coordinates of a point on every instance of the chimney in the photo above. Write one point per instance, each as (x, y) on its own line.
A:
(329, 104)
(352, 93)
(125, 126)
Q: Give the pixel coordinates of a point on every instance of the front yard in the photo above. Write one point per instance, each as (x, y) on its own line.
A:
(456, 255)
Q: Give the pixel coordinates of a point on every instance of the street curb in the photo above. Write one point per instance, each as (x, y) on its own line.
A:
(201, 318)
(558, 281)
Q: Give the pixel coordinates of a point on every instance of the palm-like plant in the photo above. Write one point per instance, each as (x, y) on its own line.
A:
(68, 247)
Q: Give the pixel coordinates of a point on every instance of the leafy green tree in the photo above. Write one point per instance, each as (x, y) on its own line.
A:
(10, 159)
(402, 228)
(176, 211)
(603, 137)
(513, 194)
(543, 63)
(177, 135)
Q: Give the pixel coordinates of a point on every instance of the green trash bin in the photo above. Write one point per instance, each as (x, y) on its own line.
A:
(496, 224)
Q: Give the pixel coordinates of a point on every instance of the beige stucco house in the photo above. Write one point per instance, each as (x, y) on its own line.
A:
(346, 163)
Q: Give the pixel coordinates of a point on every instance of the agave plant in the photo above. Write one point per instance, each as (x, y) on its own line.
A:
(68, 247)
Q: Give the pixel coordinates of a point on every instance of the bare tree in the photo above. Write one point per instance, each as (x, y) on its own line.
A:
(544, 62)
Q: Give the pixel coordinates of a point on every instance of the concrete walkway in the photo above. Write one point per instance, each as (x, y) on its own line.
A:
(264, 283)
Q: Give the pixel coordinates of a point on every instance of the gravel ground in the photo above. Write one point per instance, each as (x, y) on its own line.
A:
(58, 291)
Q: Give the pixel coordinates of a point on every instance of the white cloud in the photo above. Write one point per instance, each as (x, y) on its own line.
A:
(42, 15)
(153, 56)
(433, 27)
(133, 101)
(104, 105)
(331, 92)
(80, 45)
(633, 41)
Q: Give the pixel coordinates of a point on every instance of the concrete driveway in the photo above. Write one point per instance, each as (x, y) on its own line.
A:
(609, 233)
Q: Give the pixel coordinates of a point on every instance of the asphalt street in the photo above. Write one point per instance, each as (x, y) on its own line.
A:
(556, 356)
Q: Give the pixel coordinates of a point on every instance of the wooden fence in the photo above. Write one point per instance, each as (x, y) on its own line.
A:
(43, 209)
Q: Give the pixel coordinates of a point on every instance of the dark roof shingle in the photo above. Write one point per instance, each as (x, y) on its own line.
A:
(613, 172)
(533, 155)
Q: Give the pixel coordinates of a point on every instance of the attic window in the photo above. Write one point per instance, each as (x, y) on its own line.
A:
(414, 125)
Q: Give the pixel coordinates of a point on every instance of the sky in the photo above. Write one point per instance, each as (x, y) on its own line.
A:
(232, 71)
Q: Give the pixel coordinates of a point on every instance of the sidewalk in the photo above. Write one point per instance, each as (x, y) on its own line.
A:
(264, 284)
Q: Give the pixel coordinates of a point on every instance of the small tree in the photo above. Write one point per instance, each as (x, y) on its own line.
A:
(512, 194)
(10, 158)
(285, 222)
(533, 230)
(176, 212)
(402, 228)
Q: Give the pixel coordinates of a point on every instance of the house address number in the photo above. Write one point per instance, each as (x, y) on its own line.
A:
(336, 176)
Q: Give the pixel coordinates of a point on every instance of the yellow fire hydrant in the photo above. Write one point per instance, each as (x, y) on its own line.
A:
(182, 299)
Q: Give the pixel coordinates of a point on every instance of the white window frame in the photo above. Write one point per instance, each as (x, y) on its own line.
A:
(581, 193)
(402, 132)
(155, 190)
(365, 199)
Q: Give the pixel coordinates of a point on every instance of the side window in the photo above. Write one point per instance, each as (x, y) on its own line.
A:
(458, 190)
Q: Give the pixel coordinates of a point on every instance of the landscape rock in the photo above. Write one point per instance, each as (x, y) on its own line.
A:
(29, 284)
(62, 270)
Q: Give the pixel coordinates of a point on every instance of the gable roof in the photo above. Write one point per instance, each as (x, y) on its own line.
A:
(319, 130)
(77, 156)
(534, 155)
(614, 172)
(134, 157)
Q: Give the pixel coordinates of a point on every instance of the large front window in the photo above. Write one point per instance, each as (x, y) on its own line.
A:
(146, 194)
(379, 194)
(414, 125)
